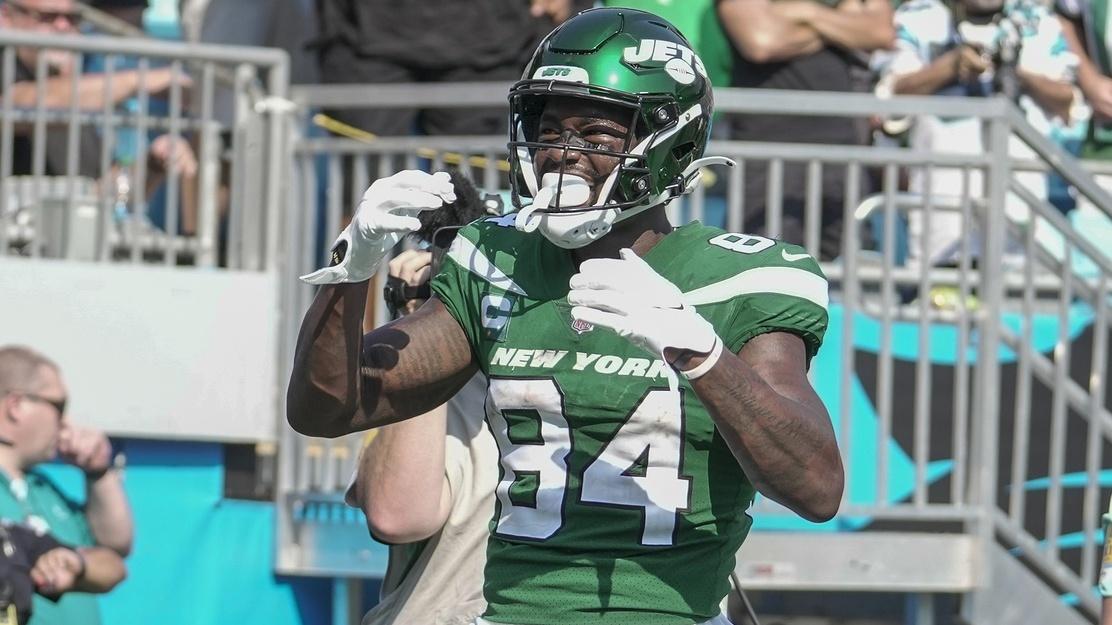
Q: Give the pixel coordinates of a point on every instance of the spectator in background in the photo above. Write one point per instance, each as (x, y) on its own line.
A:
(1086, 36)
(35, 562)
(127, 18)
(55, 17)
(426, 486)
(33, 430)
(383, 41)
(801, 45)
(60, 17)
(978, 48)
(286, 24)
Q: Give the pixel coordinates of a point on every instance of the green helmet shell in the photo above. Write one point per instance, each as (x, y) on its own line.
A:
(633, 59)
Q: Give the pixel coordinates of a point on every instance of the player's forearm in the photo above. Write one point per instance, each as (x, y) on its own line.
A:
(1053, 96)
(786, 450)
(869, 28)
(104, 569)
(343, 381)
(325, 383)
(109, 513)
(401, 482)
(764, 35)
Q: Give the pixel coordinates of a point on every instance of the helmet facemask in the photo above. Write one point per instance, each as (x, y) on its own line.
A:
(553, 195)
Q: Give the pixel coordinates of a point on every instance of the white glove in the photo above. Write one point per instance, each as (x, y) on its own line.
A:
(628, 297)
(386, 213)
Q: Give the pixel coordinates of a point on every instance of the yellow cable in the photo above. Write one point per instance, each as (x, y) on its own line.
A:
(338, 127)
(451, 158)
(369, 436)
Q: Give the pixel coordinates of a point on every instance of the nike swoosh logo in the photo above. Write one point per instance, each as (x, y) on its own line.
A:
(791, 258)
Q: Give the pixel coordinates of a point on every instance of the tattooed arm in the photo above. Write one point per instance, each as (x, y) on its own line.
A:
(344, 381)
(774, 423)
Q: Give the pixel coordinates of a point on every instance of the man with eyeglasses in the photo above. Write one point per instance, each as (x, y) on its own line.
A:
(33, 430)
(60, 17)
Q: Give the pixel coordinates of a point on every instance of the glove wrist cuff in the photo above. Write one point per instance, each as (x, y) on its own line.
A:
(708, 362)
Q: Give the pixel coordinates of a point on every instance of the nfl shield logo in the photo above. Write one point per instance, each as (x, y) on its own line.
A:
(581, 326)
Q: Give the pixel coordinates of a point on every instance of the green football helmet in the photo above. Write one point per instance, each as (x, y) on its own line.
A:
(632, 60)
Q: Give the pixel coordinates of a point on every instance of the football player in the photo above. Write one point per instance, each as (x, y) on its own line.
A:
(645, 381)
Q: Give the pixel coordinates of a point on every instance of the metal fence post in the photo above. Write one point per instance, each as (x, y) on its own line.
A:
(278, 125)
(986, 406)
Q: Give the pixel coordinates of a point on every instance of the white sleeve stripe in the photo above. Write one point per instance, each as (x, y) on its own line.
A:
(772, 280)
(469, 257)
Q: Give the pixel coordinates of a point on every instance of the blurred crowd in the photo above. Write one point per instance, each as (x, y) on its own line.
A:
(1048, 57)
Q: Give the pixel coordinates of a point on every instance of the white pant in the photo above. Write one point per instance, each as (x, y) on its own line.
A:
(942, 243)
(718, 620)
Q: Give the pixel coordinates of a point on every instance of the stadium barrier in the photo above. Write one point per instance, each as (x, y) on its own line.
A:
(919, 413)
(145, 298)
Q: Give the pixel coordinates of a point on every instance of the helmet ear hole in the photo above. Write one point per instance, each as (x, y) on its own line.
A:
(683, 151)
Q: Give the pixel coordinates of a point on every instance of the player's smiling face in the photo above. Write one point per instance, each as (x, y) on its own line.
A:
(568, 123)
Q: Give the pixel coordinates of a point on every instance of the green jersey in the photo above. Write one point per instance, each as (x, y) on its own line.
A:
(618, 502)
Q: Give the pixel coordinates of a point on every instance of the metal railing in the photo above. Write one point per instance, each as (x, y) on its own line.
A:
(78, 117)
(1005, 275)
(216, 211)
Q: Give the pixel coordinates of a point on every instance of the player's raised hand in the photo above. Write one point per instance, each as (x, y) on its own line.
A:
(629, 297)
(387, 211)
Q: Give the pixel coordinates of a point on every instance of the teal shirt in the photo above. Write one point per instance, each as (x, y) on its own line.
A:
(42, 505)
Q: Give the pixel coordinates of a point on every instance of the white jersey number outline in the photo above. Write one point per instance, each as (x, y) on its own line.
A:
(638, 468)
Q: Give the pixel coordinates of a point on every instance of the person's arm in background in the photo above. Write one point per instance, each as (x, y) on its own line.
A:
(86, 569)
(401, 484)
(1054, 96)
(1095, 85)
(864, 25)
(106, 507)
(961, 64)
(763, 33)
(914, 68)
(166, 155)
(1046, 69)
(93, 90)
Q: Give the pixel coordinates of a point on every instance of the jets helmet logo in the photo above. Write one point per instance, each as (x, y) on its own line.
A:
(679, 61)
(565, 73)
